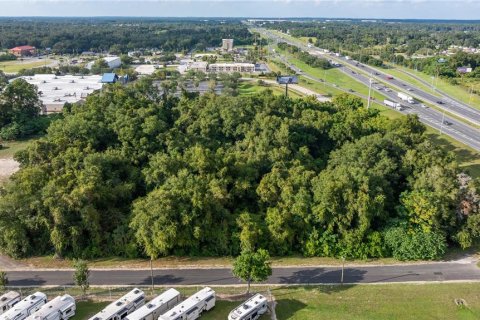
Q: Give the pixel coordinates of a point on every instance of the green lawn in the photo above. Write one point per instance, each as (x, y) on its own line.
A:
(10, 147)
(86, 309)
(17, 65)
(372, 302)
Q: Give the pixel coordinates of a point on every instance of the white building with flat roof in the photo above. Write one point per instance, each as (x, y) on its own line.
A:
(227, 45)
(55, 91)
(112, 62)
(231, 67)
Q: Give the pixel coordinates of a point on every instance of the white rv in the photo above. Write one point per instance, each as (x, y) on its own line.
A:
(122, 307)
(26, 307)
(192, 308)
(251, 309)
(60, 308)
(8, 300)
(156, 307)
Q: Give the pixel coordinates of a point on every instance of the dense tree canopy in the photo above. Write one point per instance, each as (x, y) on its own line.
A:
(134, 172)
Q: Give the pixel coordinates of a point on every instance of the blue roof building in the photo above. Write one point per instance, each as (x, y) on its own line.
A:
(109, 78)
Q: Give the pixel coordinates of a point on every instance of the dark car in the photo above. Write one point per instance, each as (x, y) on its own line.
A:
(440, 102)
(447, 123)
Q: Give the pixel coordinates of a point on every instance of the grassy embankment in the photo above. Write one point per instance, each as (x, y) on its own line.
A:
(17, 65)
(389, 301)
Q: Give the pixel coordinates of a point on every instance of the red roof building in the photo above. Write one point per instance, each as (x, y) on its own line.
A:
(23, 51)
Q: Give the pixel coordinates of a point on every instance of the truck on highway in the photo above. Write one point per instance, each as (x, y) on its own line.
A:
(406, 97)
(8, 300)
(394, 105)
(192, 308)
(158, 306)
(122, 307)
(26, 307)
(251, 309)
(60, 308)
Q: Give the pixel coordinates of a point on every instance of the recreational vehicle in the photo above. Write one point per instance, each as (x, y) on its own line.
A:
(122, 307)
(156, 307)
(60, 308)
(26, 307)
(8, 300)
(192, 307)
(251, 309)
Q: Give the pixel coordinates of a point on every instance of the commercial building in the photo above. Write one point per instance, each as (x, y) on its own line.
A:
(231, 67)
(23, 51)
(112, 62)
(186, 65)
(227, 45)
(55, 91)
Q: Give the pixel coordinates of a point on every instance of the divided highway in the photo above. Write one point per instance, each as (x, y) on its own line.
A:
(435, 272)
(456, 129)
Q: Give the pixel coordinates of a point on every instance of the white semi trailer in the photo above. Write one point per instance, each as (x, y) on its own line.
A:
(251, 309)
(122, 307)
(8, 300)
(394, 105)
(26, 307)
(60, 308)
(406, 97)
(192, 308)
(158, 306)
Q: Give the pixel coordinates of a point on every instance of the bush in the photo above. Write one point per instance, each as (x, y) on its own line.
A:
(415, 245)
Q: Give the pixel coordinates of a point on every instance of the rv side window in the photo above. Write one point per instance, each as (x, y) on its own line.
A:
(209, 298)
(138, 300)
(68, 311)
(189, 312)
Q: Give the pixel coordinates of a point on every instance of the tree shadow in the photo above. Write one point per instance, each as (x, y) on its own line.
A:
(320, 276)
(292, 307)
(166, 279)
(33, 282)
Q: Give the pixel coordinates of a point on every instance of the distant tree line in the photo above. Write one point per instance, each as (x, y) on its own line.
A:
(119, 35)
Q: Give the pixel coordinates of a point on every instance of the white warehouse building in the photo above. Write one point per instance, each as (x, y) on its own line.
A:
(113, 62)
(55, 91)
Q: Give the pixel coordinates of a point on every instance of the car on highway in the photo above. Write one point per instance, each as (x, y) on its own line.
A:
(409, 89)
(389, 78)
(440, 102)
(388, 89)
(423, 106)
(447, 123)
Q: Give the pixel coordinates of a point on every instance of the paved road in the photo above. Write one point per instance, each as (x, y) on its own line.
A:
(308, 275)
(456, 129)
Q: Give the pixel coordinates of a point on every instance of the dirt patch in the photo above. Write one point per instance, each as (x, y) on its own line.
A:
(7, 168)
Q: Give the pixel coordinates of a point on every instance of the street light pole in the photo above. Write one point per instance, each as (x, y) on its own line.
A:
(443, 119)
(343, 268)
(369, 93)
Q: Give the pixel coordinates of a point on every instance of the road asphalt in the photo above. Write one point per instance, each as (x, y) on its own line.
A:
(429, 272)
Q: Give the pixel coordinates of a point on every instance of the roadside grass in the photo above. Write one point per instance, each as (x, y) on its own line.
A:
(11, 147)
(455, 91)
(248, 88)
(17, 65)
(372, 302)
(406, 77)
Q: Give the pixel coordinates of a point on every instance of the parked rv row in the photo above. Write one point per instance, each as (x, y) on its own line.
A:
(36, 307)
(166, 306)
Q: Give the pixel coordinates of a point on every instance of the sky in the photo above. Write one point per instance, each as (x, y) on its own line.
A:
(387, 9)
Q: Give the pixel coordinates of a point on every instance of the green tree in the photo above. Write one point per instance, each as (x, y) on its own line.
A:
(81, 275)
(252, 266)
(3, 280)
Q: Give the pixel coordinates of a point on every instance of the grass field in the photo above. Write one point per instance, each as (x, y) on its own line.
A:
(455, 91)
(10, 147)
(356, 302)
(249, 88)
(372, 302)
(17, 65)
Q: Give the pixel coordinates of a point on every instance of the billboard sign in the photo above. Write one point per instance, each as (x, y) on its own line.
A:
(287, 80)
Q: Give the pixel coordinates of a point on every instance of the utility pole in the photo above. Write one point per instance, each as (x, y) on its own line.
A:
(369, 93)
(343, 268)
(151, 275)
(443, 119)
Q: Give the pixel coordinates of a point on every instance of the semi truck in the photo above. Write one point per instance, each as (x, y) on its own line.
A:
(394, 105)
(406, 97)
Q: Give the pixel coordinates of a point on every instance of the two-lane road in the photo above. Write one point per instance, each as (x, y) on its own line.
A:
(431, 272)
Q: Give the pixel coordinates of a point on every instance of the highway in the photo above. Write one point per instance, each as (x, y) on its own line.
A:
(432, 272)
(445, 124)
